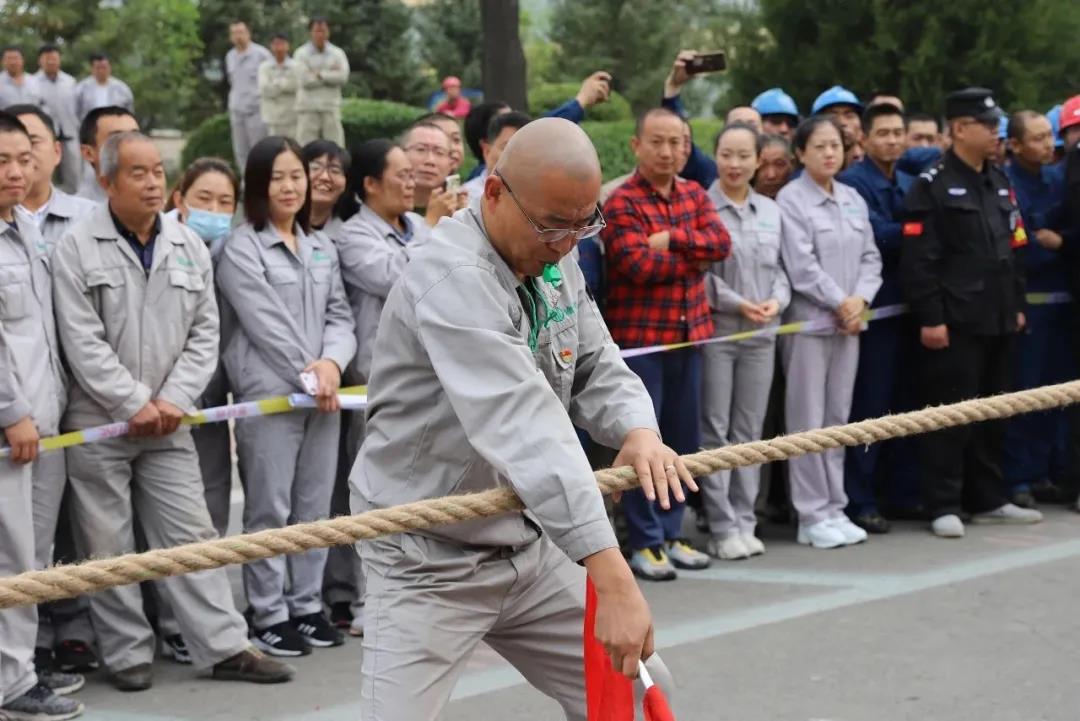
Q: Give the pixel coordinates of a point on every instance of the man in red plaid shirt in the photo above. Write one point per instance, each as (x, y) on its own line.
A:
(662, 233)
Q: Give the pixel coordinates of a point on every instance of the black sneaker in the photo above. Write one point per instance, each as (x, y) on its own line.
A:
(174, 647)
(281, 639)
(341, 615)
(872, 522)
(75, 656)
(317, 631)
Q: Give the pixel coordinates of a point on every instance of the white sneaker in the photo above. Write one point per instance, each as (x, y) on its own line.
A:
(729, 548)
(753, 544)
(852, 534)
(949, 526)
(821, 535)
(1010, 514)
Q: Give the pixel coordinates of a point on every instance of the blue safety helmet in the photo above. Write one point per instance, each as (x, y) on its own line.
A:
(775, 101)
(836, 95)
(1054, 114)
(1003, 127)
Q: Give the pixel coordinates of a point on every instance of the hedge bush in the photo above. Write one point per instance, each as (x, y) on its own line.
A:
(545, 97)
(366, 119)
(612, 141)
(362, 120)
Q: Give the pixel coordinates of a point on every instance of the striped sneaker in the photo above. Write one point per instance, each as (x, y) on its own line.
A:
(318, 631)
(281, 639)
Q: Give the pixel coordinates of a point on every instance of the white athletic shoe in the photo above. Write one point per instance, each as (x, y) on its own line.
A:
(822, 534)
(1008, 514)
(729, 548)
(852, 534)
(753, 544)
(949, 526)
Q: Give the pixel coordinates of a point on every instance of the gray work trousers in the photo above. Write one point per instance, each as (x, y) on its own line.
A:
(343, 579)
(316, 124)
(735, 383)
(159, 478)
(289, 462)
(820, 372)
(213, 442)
(18, 626)
(247, 129)
(68, 619)
(429, 604)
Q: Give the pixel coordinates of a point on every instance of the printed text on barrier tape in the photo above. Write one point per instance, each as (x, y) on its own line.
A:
(353, 398)
(888, 311)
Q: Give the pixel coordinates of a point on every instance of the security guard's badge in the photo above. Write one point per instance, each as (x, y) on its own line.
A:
(1016, 224)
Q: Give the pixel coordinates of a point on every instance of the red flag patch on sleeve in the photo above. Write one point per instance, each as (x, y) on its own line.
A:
(912, 230)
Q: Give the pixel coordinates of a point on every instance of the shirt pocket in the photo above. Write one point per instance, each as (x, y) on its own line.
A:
(561, 361)
(321, 278)
(186, 288)
(15, 289)
(108, 287)
(285, 280)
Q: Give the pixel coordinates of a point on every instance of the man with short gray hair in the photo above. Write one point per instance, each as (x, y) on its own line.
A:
(137, 316)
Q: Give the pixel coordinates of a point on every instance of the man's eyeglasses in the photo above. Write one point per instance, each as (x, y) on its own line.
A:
(551, 236)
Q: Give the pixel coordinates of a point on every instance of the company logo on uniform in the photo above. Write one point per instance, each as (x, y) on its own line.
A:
(181, 260)
(566, 355)
(957, 191)
(1003, 191)
(320, 255)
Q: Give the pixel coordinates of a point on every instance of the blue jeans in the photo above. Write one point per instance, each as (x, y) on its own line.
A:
(673, 379)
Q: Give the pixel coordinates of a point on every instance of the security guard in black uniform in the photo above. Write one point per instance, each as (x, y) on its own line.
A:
(960, 275)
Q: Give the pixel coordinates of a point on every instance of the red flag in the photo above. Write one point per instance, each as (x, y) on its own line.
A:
(609, 695)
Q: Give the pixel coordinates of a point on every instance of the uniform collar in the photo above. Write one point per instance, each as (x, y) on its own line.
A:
(720, 199)
(129, 235)
(387, 230)
(953, 162)
(817, 193)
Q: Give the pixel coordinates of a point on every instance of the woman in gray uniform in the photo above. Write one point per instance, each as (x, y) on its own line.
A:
(747, 292)
(286, 328)
(828, 249)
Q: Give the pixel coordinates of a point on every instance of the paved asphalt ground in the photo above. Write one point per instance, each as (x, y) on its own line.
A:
(905, 627)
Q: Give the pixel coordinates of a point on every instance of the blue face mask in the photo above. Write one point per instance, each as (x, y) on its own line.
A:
(209, 226)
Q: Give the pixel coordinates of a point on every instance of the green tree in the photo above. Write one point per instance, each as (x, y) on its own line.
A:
(450, 40)
(921, 49)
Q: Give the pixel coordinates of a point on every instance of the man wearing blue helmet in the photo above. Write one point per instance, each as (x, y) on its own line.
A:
(843, 105)
(779, 113)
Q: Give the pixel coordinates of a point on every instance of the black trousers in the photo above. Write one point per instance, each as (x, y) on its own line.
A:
(961, 467)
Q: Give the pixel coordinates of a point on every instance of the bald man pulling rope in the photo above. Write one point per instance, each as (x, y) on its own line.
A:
(489, 351)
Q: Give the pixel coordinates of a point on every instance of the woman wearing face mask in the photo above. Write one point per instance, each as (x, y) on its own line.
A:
(834, 266)
(205, 201)
(374, 246)
(332, 203)
(747, 292)
(286, 316)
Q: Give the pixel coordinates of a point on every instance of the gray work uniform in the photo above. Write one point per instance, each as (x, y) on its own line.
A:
(30, 495)
(89, 187)
(373, 254)
(737, 376)
(245, 118)
(59, 96)
(829, 252)
(59, 214)
(465, 396)
(283, 311)
(129, 336)
(25, 93)
(277, 96)
(321, 77)
(90, 95)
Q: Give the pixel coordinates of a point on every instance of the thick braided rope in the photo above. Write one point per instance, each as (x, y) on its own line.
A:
(68, 581)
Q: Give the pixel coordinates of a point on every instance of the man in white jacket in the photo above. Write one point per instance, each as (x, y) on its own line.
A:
(323, 69)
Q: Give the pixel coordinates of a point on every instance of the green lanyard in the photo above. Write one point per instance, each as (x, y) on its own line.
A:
(553, 277)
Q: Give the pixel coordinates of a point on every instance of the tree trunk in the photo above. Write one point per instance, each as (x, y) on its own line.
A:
(504, 60)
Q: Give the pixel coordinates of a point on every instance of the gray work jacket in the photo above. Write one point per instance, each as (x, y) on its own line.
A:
(242, 69)
(460, 401)
(31, 373)
(61, 212)
(130, 335)
(321, 77)
(280, 311)
(277, 92)
(828, 249)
